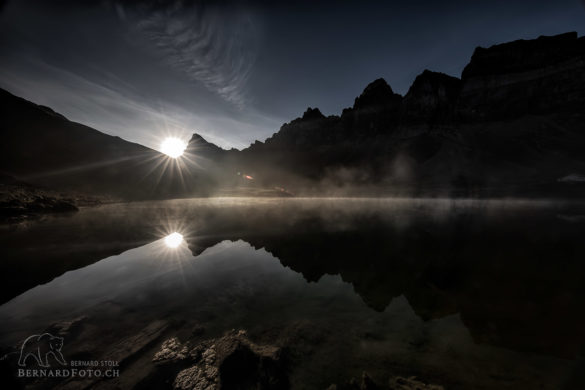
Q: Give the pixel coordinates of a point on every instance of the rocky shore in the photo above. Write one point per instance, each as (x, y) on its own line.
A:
(20, 201)
(234, 362)
(162, 355)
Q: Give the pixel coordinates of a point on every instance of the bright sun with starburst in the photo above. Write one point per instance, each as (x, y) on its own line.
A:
(173, 147)
(173, 240)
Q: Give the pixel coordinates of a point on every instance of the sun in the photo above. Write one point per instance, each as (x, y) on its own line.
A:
(173, 147)
(173, 240)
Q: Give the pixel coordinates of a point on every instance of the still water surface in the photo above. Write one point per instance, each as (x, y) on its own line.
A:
(467, 294)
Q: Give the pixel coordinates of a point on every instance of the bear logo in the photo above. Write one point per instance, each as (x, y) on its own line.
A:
(40, 347)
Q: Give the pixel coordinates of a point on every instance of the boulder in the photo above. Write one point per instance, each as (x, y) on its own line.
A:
(228, 362)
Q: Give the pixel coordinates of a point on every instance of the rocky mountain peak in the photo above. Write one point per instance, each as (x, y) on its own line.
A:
(523, 55)
(201, 144)
(197, 138)
(535, 76)
(432, 96)
(429, 82)
(377, 93)
(312, 114)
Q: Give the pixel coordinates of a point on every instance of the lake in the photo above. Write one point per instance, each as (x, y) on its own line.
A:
(459, 293)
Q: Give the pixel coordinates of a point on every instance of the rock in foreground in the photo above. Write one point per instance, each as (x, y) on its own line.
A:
(228, 362)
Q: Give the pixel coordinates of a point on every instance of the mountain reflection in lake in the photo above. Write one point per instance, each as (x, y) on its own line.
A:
(466, 294)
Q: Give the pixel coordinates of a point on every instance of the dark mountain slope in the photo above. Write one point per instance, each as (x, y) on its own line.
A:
(44, 148)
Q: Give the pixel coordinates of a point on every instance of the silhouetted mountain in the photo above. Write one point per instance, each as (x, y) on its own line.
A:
(377, 95)
(544, 75)
(512, 125)
(44, 148)
(199, 146)
(431, 98)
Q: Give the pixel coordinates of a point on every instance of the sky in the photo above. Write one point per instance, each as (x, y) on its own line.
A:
(235, 71)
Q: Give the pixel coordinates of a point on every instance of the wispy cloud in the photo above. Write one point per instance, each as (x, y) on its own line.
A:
(106, 103)
(208, 45)
(112, 83)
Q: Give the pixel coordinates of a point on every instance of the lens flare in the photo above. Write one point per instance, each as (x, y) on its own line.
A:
(173, 240)
(173, 147)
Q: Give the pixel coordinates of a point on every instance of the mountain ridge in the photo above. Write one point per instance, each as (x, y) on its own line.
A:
(512, 125)
(70, 156)
(446, 134)
(566, 46)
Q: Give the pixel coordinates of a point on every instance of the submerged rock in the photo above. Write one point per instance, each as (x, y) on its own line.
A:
(394, 383)
(130, 347)
(66, 328)
(411, 383)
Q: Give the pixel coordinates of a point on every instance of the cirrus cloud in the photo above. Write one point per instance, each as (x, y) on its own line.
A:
(210, 45)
